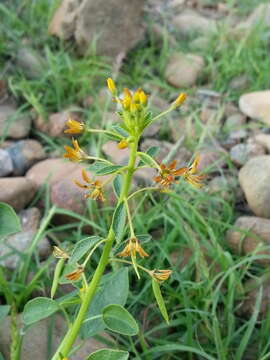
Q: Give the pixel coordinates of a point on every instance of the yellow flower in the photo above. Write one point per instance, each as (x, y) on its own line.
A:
(75, 127)
(143, 98)
(161, 275)
(75, 275)
(96, 192)
(132, 248)
(180, 99)
(75, 153)
(111, 86)
(59, 253)
(123, 144)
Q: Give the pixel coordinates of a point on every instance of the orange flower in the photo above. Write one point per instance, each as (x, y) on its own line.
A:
(75, 153)
(161, 275)
(189, 173)
(75, 127)
(59, 253)
(75, 275)
(96, 192)
(132, 248)
(167, 174)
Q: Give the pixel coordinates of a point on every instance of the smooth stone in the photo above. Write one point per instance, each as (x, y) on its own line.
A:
(6, 165)
(13, 124)
(256, 105)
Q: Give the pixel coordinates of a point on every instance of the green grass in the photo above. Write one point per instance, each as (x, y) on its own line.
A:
(203, 297)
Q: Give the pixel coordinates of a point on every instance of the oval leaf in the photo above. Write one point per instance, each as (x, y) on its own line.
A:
(117, 185)
(37, 309)
(148, 160)
(108, 169)
(81, 248)
(118, 319)
(108, 354)
(160, 300)
(4, 310)
(9, 221)
(119, 220)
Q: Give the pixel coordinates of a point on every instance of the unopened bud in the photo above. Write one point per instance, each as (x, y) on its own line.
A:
(179, 101)
(111, 86)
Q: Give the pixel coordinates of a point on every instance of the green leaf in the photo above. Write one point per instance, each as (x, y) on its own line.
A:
(4, 310)
(119, 221)
(82, 247)
(9, 221)
(160, 300)
(152, 151)
(117, 185)
(118, 128)
(147, 160)
(37, 309)
(108, 169)
(98, 165)
(114, 290)
(118, 319)
(108, 354)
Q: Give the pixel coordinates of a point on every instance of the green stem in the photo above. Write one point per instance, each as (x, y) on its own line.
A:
(72, 333)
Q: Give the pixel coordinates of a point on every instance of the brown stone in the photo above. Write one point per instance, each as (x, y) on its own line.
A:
(12, 123)
(17, 191)
(257, 237)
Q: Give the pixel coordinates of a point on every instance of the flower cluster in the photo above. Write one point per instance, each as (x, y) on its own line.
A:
(95, 187)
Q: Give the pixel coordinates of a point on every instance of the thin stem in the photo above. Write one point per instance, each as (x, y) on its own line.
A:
(162, 114)
(130, 263)
(141, 190)
(98, 159)
(92, 251)
(132, 233)
(71, 335)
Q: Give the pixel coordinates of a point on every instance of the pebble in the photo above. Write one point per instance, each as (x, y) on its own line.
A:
(212, 159)
(117, 156)
(24, 154)
(183, 70)
(234, 121)
(30, 62)
(264, 140)
(6, 165)
(13, 124)
(17, 191)
(36, 341)
(256, 105)
(259, 235)
(22, 240)
(241, 153)
(189, 23)
(254, 180)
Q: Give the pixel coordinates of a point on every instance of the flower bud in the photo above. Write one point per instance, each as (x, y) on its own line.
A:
(111, 86)
(179, 101)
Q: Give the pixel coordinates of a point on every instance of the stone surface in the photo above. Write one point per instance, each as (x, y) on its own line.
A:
(188, 23)
(254, 180)
(183, 70)
(239, 82)
(224, 187)
(36, 341)
(252, 288)
(30, 62)
(24, 154)
(92, 22)
(241, 153)
(234, 122)
(256, 105)
(21, 241)
(212, 159)
(6, 165)
(12, 123)
(200, 43)
(60, 175)
(264, 140)
(17, 191)
(117, 156)
(250, 233)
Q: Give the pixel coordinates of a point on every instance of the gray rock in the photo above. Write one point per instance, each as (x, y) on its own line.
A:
(241, 153)
(234, 121)
(17, 191)
(183, 70)
(30, 62)
(36, 341)
(250, 234)
(12, 123)
(264, 140)
(24, 154)
(256, 105)
(6, 165)
(188, 23)
(254, 180)
(22, 240)
(92, 22)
